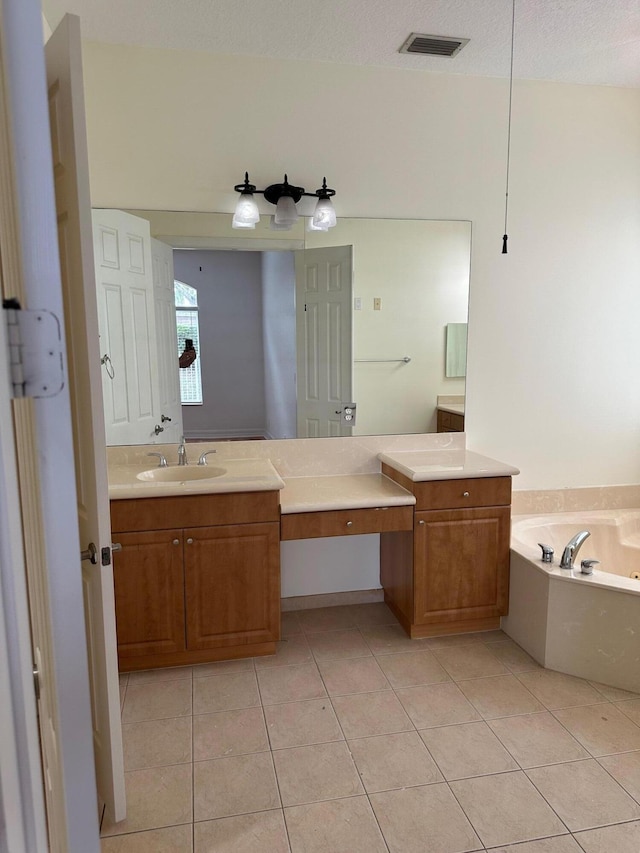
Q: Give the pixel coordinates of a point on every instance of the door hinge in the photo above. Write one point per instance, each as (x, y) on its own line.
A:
(35, 351)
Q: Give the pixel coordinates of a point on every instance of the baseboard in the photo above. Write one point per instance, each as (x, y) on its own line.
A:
(225, 435)
(331, 599)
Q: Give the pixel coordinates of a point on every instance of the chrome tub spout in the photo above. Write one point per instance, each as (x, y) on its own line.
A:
(571, 549)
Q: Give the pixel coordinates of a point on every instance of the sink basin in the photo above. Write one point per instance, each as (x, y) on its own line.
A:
(181, 473)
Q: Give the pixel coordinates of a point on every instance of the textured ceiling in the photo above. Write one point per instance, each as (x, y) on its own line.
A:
(578, 41)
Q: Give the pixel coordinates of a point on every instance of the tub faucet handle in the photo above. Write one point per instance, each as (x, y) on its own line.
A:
(586, 566)
(547, 553)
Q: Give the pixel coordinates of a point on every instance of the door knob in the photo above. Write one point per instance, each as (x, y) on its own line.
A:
(90, 553)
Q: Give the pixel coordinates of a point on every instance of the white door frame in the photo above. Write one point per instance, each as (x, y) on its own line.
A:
(22, 805)
(25, 82)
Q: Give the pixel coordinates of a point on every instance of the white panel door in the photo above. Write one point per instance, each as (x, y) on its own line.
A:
(167, 341)
(324, 340)
(71, 173)
(127, 323)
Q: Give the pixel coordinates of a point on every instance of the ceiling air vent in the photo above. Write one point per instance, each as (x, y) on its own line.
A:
(433, 45)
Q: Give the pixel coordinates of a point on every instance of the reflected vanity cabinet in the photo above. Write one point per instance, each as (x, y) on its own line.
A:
(197, 579)
(449, 421)
(452, 574)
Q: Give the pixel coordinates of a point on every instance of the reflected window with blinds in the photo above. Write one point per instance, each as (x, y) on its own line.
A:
(186, 300)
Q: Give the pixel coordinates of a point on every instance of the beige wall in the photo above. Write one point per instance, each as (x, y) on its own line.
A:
(553, 344)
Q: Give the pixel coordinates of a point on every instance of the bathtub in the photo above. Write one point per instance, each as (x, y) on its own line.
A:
(583, 625)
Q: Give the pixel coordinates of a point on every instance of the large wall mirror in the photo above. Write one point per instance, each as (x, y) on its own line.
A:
(293, 328)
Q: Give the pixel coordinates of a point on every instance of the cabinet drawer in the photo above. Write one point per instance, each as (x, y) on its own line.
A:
(460, 494)
(311, 525)
(194, 511)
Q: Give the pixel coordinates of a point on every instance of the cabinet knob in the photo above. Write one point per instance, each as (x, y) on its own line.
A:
(421, 522)
(465, 494)
(176, 541)
(189, 541)
(349, 523)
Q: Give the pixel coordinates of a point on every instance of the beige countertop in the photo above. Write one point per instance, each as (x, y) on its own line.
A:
(454, 408)
(239, 475)
(354, 491)
(461, 464)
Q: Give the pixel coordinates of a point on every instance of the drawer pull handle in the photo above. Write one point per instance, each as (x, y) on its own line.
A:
(421, 522)
(349, 523)
(465, 494)
(189, 541)
(176, 541)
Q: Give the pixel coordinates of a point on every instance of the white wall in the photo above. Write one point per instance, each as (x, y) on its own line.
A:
(279, 336)
(553, 346)
(229, 286)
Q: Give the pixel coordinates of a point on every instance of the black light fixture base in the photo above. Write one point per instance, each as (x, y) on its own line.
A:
(274, 192)
(246, 187)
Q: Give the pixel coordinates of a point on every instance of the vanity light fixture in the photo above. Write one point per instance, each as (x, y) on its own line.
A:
(285, 196)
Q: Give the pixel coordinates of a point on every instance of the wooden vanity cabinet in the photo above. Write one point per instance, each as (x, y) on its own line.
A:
(197, 579)
(452, 574)
(449, 421)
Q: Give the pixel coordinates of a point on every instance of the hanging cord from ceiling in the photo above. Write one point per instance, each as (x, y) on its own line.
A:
(505, 236)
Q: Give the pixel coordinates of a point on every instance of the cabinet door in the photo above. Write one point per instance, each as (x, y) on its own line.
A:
(149, 593)
(232, 581)
(461, 564)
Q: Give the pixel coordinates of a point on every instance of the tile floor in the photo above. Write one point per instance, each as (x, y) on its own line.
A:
(355, 738)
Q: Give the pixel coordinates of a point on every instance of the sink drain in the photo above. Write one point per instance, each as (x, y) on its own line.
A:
(635, 576)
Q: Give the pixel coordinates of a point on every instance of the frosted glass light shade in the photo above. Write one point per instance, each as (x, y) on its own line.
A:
(286, 213)
(277, 227)
(324, 215)
(246, 211)
(236, 223)
(312, 227)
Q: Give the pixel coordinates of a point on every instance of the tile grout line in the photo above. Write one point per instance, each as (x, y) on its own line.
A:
(618, 703)
(635, 799)
(366, 793)
(193, 767)
(273, 762)
(594, 757)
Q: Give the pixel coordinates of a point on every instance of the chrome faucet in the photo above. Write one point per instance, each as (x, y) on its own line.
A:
(571, 549)
(182, 453)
